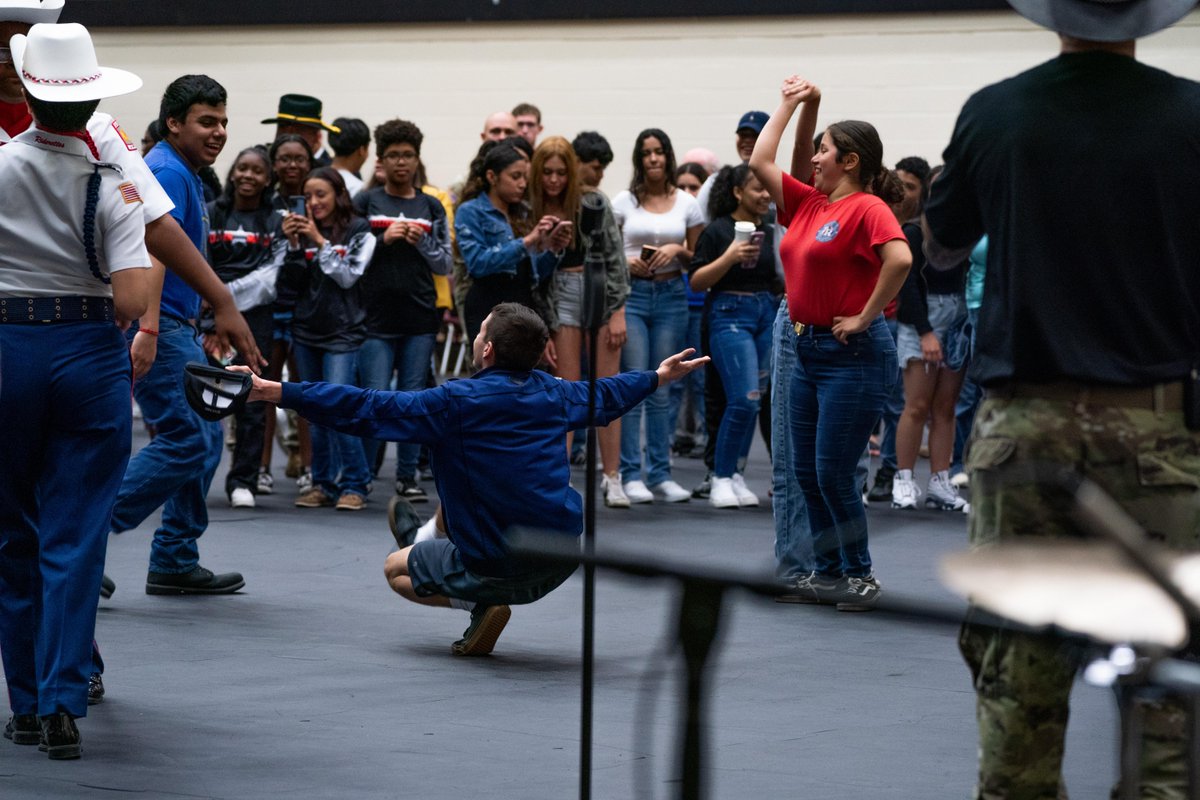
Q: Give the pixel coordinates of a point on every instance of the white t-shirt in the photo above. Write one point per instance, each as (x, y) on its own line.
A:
(42, 252)
(116, 147)
(641, 227)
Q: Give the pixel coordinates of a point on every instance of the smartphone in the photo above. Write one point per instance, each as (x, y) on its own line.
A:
(297, 205)
(648, 252)
(756, 239)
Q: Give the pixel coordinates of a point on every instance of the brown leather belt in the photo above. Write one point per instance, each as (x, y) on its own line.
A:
(1159, 397)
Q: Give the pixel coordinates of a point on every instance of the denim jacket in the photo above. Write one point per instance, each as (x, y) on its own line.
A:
(489, 246)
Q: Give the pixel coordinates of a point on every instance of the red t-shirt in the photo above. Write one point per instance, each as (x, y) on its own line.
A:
(829, 258)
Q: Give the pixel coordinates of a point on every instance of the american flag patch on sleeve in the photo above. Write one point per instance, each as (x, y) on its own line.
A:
(129, 193)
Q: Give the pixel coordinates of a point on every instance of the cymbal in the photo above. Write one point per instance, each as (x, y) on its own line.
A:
(1083, 587)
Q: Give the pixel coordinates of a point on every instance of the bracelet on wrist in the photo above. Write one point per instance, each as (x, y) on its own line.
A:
(150, 331)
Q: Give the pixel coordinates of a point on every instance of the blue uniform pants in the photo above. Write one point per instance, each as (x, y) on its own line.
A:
(65, 413)
(177, 467)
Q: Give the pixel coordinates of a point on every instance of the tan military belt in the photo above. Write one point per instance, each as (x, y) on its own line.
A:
(1159, 397)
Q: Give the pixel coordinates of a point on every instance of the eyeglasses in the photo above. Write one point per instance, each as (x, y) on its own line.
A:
(392, 158)
(291, 160)
(5, 55)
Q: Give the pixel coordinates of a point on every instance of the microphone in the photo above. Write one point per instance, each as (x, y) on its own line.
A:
(591, 221)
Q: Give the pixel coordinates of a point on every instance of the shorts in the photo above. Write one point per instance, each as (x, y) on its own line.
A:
(436, 567)
(568, 297)
(948, 318)
(282, 330)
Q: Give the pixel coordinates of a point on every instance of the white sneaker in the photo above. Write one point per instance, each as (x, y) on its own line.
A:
(614, 495)
(961, 479)
(943, 494)
(671, 492)
(745, 497)
(904, 491)
(241, 497)
(966, 508)
(304, 482)
(266, 484)
(721, 493)
(636, 492)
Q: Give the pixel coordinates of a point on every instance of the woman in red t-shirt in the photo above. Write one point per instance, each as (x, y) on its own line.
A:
(844, 258)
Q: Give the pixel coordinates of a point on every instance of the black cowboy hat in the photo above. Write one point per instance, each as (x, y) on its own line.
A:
(300, 109)
(1104, 20)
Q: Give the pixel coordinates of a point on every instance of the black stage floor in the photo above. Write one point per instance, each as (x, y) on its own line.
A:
(316, 681)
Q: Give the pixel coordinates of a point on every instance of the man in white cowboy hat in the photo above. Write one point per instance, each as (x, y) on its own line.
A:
(73, 261)
(164, 238)
(301, 114)
(1082, 172)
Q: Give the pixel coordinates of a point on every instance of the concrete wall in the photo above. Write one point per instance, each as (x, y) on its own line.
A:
(908, 74)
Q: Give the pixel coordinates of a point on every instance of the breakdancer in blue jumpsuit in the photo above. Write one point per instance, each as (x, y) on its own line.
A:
(498, 446)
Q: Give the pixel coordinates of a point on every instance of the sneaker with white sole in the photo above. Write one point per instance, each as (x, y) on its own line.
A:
(942, 494)
(241, 497)
(636, 492)
(304, 483)
(904, 490)
(265, 483)
(961, 479)
(614, 495)
(671, 492)
(721, 494)
(745, 497)
(859, 594)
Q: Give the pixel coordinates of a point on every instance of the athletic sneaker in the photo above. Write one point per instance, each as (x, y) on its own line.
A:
(813, 588)
(961, 479)
(304, 483)
(266, 484)
(241, 497)
(614, 495)
(487, 623)
(859, 594)
(703, 488)
(721, 493)
(745, 497)
(904, 490)
(403, 521)
(636, 492)
(411, 491)
(881, 490)
(943, 494)
(671, 492)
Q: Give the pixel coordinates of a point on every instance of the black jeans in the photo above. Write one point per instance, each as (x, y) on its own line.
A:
(250, 423)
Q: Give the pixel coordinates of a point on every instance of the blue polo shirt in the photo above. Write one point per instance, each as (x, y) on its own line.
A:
(186, 191)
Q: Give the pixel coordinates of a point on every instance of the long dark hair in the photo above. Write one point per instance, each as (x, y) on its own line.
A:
(343, 207)
(224, 202)
(721, 199)
(492, 157)
(861, 138)
(637, 185)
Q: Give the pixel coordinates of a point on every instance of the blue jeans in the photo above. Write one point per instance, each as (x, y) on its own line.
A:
(65, 415)
(739, 338)
(838, 392)
(339, 462)
(969, 398)
(891, 414)
(687, 395)
(177, 467)
(793, 539)
(408, 356)
(656, 317)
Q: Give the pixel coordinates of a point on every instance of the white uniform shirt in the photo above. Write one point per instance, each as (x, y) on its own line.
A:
(117, 148)
(42, 253)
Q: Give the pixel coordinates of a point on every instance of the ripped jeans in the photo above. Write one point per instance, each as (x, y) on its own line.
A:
(739, 341)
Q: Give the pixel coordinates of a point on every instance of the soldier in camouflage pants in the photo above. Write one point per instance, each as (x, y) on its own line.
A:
(1150, 463)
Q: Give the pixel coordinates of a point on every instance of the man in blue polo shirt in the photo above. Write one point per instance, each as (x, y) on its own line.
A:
(175, 470)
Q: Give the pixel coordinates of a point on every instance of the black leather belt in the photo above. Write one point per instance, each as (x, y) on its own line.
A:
(55, 309)
(804, 329)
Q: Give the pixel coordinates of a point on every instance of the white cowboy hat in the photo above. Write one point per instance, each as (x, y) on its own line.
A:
(30, 11)
(57, 63)
(1104, 20)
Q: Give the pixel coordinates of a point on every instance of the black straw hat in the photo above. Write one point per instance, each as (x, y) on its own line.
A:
(213, 392)
(300, 109)
(1104, 20)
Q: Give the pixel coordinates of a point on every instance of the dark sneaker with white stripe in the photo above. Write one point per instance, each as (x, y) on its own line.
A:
(859, 594)
(814, 589)
(411, 491)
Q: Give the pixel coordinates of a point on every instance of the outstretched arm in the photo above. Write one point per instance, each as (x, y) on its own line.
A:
(676, 367)
(795, 90)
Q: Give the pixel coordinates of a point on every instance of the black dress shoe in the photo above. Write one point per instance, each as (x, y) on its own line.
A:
(23, 729)
(95, 689)
(198, 581)
(107, 586)
(60, 737)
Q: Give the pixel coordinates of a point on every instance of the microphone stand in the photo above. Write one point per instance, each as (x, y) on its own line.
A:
(592, 316)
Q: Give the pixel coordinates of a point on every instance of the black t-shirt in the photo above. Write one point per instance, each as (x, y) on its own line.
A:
(239, 242)
(1083, 173)
(715, 240)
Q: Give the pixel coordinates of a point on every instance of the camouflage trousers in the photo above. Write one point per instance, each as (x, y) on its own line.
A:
(1150, 463)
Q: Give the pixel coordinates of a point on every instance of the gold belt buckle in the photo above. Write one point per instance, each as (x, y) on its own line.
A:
(799, 327)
